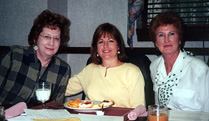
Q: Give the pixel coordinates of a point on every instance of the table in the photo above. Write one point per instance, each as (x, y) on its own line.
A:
(110, 113)
(120, 114)
(188, 116)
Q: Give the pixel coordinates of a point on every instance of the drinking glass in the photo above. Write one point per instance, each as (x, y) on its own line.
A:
(43, 92)
(2, 116)
(157, 113)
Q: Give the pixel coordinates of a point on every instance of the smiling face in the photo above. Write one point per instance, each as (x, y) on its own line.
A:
(107, 47)
(48, 42)
(167, 39)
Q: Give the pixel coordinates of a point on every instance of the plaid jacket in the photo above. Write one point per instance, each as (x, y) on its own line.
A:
(19, 73)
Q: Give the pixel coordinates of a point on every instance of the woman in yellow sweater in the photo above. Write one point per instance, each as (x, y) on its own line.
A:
(109, 76)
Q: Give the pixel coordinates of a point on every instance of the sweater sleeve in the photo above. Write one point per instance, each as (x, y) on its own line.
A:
(60, 92)
(74, 85)
(136, 88)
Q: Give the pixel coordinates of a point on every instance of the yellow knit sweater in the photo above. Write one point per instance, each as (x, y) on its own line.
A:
(123, 84)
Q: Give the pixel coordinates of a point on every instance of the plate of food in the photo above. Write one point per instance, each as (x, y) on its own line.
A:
(88, 105)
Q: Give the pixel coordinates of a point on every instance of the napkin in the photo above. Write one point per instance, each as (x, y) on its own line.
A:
(15, 110)
(139, 111)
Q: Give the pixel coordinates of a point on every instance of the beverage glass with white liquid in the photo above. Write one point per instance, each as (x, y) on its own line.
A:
(43, 92)
(2, 116)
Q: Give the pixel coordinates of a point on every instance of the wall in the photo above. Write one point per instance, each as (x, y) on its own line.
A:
(85, 16)
(17, 18)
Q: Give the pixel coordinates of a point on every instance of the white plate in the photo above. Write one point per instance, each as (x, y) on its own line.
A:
(92, 109)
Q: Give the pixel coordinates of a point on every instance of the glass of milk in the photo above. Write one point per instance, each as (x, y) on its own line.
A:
(43, 92)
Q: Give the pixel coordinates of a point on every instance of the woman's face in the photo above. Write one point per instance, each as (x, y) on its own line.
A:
(48, 42)
(107, 47)
(167, 39)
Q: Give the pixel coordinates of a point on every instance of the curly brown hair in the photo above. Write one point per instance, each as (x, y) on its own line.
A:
(50, 20)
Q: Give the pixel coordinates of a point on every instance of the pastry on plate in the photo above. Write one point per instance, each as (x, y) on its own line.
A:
(74, 103)
(86, 104)
(106, 103)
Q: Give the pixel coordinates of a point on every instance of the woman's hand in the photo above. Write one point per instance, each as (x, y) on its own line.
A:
(139, 111)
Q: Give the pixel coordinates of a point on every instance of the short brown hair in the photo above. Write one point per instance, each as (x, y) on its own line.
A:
(49, 19)
(166, 18)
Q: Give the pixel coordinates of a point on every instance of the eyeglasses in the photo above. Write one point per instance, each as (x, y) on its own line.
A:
(48, 38)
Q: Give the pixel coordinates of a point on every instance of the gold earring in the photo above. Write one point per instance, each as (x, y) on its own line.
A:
(118, 52)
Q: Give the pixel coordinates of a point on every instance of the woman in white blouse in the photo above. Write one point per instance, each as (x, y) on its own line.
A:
(180, 80)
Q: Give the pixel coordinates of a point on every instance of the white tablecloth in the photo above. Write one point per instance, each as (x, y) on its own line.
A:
(188, 116)
(31, 114)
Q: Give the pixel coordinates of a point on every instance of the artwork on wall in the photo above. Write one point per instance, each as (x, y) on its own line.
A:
(135, 8)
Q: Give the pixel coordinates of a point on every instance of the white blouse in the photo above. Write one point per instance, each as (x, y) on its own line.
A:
(186, 87)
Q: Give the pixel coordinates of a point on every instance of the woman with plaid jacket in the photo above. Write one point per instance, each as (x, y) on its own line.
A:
(23, 67)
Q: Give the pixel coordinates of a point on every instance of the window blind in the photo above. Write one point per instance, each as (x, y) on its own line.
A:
(192, 11)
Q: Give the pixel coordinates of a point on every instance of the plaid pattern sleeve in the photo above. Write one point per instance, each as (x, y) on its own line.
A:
(5, 64)
(58, 74)
(20, 71)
